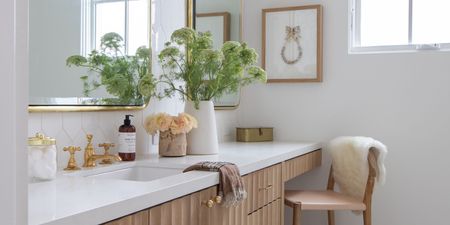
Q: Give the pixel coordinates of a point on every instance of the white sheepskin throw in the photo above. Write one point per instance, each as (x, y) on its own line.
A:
(350, 164)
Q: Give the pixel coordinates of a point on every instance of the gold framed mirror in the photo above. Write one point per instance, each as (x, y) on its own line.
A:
(223, 18)
(63, 28)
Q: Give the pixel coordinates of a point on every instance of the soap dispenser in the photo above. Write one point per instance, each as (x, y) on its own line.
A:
(127, 140)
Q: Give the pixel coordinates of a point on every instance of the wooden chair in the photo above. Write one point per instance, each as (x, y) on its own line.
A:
(330, 200)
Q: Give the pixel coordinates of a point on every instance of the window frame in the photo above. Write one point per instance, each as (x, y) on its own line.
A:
(354, 42)
(89, 21)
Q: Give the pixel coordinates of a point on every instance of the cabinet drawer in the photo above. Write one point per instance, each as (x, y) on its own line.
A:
(187, 210)
(268, 215)
(263, 187)
(302, 164)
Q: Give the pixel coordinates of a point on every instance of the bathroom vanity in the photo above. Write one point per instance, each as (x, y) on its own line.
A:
(153, 191)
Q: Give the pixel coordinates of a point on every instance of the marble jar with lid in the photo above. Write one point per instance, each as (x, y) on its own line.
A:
(41, 158)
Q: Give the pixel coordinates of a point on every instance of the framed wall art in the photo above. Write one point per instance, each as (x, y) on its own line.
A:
(292, 44)
(218, 23)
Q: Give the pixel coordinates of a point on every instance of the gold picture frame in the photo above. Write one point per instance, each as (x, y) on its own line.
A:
(300, 19)
(226, 22)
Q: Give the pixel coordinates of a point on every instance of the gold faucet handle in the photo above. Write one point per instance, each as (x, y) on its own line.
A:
(72, 164)
(106, 147)
(72, 149)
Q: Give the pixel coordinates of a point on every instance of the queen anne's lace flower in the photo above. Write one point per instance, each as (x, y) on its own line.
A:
(204, 72)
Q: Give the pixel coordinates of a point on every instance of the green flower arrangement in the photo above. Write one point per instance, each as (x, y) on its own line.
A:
(205, 72)
(126, 77)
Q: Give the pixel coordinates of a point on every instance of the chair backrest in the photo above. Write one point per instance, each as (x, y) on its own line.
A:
(371, 160)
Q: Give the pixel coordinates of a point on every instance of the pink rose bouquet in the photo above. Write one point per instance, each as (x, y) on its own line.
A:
(183, 123)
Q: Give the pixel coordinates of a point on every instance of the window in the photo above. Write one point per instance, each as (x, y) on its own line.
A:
(128, 18)
(397, 25)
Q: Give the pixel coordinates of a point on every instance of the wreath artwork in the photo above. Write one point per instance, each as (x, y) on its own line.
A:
(292, 44)
(292, 35)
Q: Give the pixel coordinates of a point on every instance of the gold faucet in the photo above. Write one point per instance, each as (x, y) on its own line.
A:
(90, 157)
(106, 147)
(72, 164)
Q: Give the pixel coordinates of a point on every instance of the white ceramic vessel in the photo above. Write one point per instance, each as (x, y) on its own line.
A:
(202, 140)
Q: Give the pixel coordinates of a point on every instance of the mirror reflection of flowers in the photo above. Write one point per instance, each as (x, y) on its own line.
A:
(205, 73)
(126, 77)
(183, 123)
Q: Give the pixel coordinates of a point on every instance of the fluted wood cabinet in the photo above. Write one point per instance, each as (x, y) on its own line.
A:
(300, 165)
(139, 218)
(187, 210)
(263, 206)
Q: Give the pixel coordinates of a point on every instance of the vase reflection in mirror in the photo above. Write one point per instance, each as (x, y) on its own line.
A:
(203, 140)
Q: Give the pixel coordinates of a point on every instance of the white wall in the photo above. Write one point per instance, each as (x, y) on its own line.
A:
(55, 31)
(13, 116)
(400, 99)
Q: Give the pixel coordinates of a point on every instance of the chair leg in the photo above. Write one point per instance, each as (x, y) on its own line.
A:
(367, 216)
(330, 217)
(296, 214)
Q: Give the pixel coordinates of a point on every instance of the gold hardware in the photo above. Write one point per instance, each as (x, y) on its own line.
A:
(106, 147)
(72, 164)
(209, 203)
(217, 199)
(88, 151)
(91, 160)
(84, 108)
(40, 140)
(90, 157)
(266, 188)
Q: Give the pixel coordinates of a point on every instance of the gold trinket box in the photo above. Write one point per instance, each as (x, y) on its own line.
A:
(254, 134)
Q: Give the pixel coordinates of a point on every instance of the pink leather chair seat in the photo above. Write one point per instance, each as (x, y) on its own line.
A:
(323, 200)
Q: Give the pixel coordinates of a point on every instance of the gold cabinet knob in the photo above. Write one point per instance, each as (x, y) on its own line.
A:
(268, 187)
(217, 199)
(209, 203)
(72, 164)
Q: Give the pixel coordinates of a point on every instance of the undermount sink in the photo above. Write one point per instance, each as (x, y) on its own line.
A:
(138, 173)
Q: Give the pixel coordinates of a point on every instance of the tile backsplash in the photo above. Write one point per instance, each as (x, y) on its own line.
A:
(70, 128)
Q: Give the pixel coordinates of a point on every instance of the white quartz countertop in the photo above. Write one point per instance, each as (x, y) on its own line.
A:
(72, 199)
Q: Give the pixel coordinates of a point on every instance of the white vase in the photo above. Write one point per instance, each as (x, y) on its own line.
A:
(202, 140)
